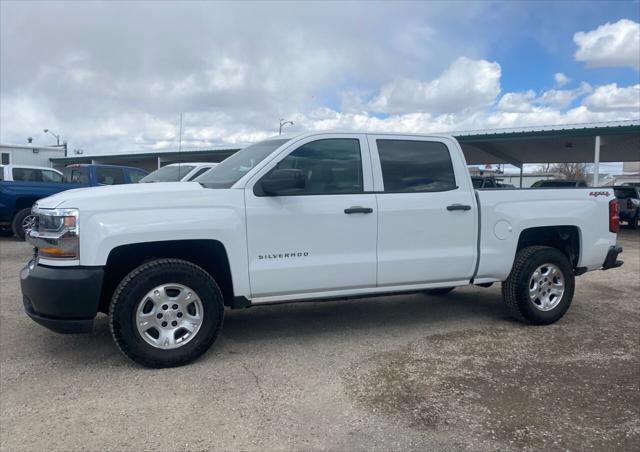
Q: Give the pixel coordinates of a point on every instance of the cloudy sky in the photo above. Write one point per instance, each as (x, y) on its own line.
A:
(114, 76)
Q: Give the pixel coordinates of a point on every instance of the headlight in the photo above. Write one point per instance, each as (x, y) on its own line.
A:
(55, 233)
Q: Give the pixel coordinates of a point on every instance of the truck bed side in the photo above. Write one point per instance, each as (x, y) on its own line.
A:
(506, 214)
(16, 195)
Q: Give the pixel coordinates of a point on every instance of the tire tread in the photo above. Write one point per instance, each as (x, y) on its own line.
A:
(114, 327)
(510, 285)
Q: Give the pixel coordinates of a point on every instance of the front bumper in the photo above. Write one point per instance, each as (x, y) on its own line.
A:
(63, 299)
(611, 261)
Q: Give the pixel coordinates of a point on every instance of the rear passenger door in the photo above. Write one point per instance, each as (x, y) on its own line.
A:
(426, 211)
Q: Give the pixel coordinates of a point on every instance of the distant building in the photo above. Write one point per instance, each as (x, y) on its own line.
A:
(18, 154)
(630, 173)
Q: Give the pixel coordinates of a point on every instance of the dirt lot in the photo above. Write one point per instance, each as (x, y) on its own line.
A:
(402, 372)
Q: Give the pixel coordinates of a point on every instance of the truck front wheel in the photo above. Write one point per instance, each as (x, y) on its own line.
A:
(540, 287)
(21, 222)
(166, 313)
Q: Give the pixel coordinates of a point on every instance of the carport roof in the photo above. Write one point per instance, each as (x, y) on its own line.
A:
(619, 142)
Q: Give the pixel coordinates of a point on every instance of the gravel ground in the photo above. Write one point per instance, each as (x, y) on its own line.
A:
(402, 372)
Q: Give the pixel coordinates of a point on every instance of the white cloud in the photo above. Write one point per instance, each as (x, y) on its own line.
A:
(118, 78)
(611, 98)
(528, 101)
(561, 79)
(517, 102)
(616, 44)
(466, 85)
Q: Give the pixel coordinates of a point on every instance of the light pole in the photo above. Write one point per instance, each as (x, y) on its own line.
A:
(64, 145)
(284, 123)
(57, 136)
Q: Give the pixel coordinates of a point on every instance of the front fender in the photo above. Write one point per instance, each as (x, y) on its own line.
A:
(103, 231)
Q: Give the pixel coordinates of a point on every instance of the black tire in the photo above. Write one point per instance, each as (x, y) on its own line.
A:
(133, 288)
(439, 291)
(16, 223)
(633, 223)
(515, 290)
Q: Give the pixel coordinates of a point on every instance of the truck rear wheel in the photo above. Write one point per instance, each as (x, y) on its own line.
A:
(21, 221)
(540, 287)
(166, 313)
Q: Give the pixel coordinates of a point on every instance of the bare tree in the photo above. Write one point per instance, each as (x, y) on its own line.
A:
(572, 171)
(544, 168)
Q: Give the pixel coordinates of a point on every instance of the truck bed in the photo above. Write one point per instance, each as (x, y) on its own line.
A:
(506, 213)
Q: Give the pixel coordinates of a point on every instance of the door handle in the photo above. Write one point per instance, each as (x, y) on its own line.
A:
(358, 209)
(458, 207)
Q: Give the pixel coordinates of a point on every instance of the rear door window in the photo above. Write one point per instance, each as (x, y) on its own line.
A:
(410, 166)
(76, 175)
(51, 176)
(27, 174)
(109, 176)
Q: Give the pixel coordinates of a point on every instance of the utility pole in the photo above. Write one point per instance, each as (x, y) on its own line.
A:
(180, 139)
(282, 124)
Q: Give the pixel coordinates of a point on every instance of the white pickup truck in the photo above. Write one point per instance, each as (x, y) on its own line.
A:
(305, 217)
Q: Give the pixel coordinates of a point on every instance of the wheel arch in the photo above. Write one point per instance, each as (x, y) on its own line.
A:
(209, 254)
(565, 238)
(23, 203)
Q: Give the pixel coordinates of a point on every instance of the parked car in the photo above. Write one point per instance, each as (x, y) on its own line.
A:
(484, 182)
(489, 182)
(23, 186)
(629, 202)
(313, 216)
(559, 183)
(20, 187)
(178, 172)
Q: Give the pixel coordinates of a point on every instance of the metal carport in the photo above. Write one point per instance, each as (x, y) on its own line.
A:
(573, 143)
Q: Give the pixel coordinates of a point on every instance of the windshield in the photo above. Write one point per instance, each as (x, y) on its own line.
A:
(172, 173)
(227, 173)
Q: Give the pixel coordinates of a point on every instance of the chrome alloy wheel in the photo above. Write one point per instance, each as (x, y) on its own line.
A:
(28, 222)
(169, 316)
(546, 287)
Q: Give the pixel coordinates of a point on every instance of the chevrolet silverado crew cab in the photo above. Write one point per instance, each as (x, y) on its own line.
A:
(305, 217)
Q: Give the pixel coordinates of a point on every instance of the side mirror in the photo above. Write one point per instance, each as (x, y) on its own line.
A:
(282, 182)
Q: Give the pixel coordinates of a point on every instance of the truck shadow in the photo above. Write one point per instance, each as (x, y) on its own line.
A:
(393, 314)
(308, 322)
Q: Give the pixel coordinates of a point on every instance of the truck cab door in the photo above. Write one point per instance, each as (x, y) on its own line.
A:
(427, 214)
(321, 236)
